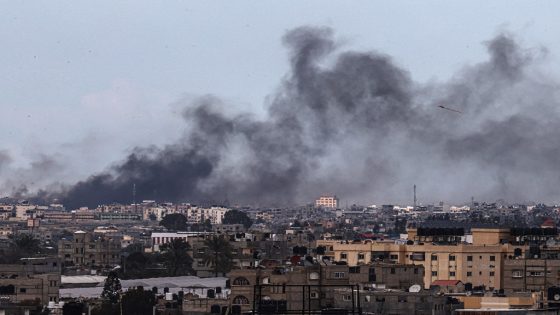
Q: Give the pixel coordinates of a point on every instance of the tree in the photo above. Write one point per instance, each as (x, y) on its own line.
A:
(219, 254)
(176, 257)
(26, 244)
(19, 246)
(106, 308)
(135, 265)
(112, 289)
(138, 302)
(175, 222)
(73, 308)
(237, 217)
(207, 225)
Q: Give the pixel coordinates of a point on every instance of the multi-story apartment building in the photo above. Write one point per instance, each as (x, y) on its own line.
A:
(444, 255)
(31, 279)
(90, 250)
(161, 238)
(327, 202)
(199, 215)
(321, 286)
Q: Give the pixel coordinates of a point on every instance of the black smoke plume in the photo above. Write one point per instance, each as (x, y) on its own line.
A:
(355, 124)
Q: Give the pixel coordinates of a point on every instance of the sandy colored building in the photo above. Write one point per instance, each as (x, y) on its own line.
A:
(327, 202)
(285, 288)
(30, 280)
(444, 257)
(90, 250)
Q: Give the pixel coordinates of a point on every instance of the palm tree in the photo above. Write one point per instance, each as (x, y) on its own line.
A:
(218, 254)
(176, 257)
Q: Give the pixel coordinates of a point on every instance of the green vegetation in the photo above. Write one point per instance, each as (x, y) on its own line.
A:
(237, 217)
(112, 288)
(219, 254)
(176, 258)
(175, 222)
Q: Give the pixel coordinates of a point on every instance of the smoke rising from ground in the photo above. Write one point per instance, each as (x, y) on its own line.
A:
(356, 124)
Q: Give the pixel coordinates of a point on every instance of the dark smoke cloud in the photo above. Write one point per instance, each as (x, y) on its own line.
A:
(355, 124)
(5, 158)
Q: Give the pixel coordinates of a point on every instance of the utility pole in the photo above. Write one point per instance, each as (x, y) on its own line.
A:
(134, 198)
(415, 197)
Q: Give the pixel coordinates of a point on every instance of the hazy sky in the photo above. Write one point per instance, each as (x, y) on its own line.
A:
(89, 81)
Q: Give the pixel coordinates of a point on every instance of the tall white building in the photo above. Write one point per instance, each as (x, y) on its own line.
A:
(199, 215)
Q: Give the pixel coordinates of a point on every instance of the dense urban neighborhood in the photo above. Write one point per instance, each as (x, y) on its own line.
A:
(165, 258)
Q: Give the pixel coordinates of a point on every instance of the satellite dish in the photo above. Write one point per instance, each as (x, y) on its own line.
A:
(556, 297)
(415, 288)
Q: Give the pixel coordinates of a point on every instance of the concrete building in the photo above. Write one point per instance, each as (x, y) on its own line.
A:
(312, 287)
(198, 215)
(444, 257)
(160, 238)
(31, 279)
(389, 302)
(89, 250)
(327, 202)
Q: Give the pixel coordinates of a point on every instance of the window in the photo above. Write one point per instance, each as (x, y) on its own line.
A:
(22, 290)
(394, 257)
(517, 274)
(314, 295)
(491, 273)
(339, 275)
(452, 273)
(434, 273)
(492, 258)
(469, 274)
(347, 297)
(469, 258)
(240, 300)
(240, 281)
(343, 255)
(418, 256)
(536, 274)
(434, 257)
(393, 271)
(355, 269)
(451, 258)
(361, 256)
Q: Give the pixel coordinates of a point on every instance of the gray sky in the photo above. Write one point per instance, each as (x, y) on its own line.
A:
(89, 81)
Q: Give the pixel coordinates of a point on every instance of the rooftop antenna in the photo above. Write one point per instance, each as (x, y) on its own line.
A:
(415, 200)
(134, 198)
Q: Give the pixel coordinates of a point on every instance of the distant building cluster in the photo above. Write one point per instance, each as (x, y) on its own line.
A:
(319, 257)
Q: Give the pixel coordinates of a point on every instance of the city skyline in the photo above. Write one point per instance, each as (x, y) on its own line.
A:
(164, 90)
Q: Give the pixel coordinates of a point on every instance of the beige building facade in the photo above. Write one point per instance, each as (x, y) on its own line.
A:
(479, 263)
